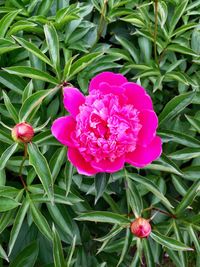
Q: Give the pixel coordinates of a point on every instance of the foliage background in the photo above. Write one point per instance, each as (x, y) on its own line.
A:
(46, 44)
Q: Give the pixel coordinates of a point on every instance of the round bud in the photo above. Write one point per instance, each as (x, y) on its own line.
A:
(22, 132)
(140, 227)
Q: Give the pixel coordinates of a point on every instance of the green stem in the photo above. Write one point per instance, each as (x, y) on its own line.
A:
(156, 31)
(101, 23)
(22, 165)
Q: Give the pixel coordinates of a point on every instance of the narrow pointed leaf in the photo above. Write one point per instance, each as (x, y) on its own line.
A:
(103, 216)
(189, 197)
(40, 220)
(32, 48)
(7, 154)
(32, 73)
(17, 224)
(58, 256)
(175, 106)
(151, 187)
(11, 109)
(6, 21)
(39, 163)
(7, 203)
(169, 242)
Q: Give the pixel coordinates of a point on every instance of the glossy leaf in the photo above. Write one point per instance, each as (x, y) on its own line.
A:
(103, 216)
(169, 242)
(39, 163)
(31, 73)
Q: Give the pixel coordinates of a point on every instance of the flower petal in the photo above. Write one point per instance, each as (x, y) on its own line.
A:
(62, 128)
(108, 166)
(80, 163)
(106, 77)
(137, 96)
(149, 121)
(143, 156)
(73, 98)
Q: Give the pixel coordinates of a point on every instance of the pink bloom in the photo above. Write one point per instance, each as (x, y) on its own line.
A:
(114, 124)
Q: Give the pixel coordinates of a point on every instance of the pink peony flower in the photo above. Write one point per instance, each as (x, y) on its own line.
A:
(114, 124)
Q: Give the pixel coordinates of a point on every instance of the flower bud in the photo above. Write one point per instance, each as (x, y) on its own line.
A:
(140, 227)
(22, 132)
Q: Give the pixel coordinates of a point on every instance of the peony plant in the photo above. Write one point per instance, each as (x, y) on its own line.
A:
(113, 84)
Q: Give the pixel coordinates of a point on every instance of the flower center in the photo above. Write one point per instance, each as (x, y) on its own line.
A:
(106, 128)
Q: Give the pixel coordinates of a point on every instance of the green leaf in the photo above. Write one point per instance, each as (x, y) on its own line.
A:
(179, 185)
(6, 21)
(185, 154)
(11, 109)
(7, 46)
(7, 154)
(113, 232)
(33, 49)
(181, 49)
(27, 257)
(179, 138)
(17, 225)
(82, 63)
(3, 254)
(68, 173)
(148, 253)
(151, 187)
(39, 163)
(27, 91)
(58, 256)
(103, 216)
(7, 217)
(12, 82)
(194, 122)
(189, 197)
(23, 25)
(134, 199)
(40, 220)
(71, 252)
(57, 161)
(60, 220)
(194, 238)
(178, 12)
(44, 7)
(32, 73)
(169, 242)
(32, 103)
(100, 180)
(53, 45)
(127, 243)
(129, 47)
(170, 163)
(175, 106)
(7, 203)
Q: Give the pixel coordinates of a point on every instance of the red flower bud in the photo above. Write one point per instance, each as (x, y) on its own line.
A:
(22, 132)
(140, 227)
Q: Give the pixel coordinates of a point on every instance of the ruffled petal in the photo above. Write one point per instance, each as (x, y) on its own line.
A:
(108, 166)
(80, 163)
(149, 121)
(73, 98)
(137, 96)
(63, 128)
(111, 78)
(143, 156)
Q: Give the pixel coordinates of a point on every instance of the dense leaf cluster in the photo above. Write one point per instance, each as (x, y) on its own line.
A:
(49, 214)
